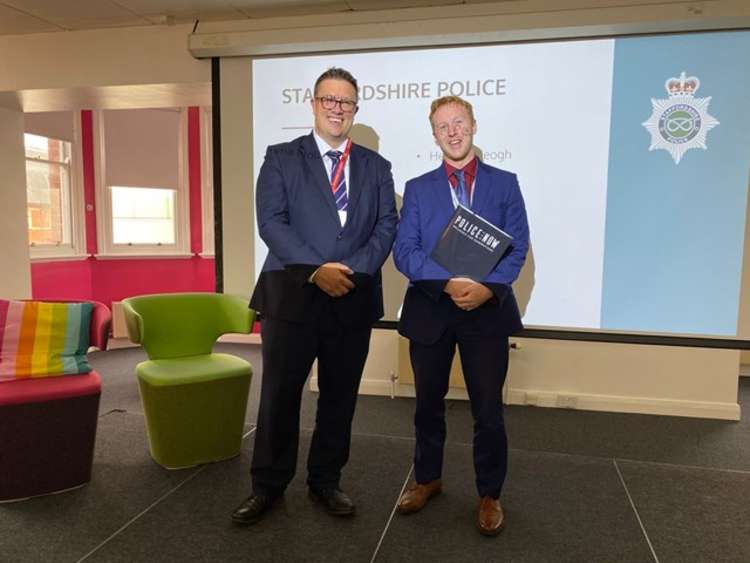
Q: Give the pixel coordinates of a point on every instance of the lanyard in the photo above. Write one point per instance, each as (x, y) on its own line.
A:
(340, 167)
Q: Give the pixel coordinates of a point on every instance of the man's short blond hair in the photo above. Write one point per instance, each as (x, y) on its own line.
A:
(445, 100)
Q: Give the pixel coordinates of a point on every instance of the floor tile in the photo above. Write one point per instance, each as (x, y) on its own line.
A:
(194, 524)
(557, 507)
(692, 514)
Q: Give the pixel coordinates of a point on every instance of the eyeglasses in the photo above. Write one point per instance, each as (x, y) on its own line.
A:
(459, 125)
(329, 102)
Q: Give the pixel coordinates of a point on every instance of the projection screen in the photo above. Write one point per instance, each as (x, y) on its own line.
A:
(632, 154)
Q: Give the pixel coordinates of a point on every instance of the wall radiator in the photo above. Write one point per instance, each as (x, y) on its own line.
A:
(119, 329)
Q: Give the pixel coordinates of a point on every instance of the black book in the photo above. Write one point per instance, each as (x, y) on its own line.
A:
(470, 246)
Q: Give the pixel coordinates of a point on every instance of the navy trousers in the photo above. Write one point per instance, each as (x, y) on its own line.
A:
(484, 360)
(289, 350)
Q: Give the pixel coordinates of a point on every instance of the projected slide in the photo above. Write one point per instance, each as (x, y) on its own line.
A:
(632, 155)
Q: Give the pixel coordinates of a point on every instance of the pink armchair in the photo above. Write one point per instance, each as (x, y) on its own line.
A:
(48, 426)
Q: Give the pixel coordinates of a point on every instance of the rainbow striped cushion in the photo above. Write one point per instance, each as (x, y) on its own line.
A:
(40, 339)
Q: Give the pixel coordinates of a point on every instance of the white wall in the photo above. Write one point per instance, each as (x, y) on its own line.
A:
(107, 57)
(697, 382)
(237, 204)
(694, 382)
(15, 283)
(57, 124)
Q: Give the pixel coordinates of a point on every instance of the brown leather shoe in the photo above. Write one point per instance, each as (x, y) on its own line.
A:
(417, 495)
(491, 518)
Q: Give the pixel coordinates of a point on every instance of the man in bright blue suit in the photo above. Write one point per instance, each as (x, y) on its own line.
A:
(442, 311)
(326, 210)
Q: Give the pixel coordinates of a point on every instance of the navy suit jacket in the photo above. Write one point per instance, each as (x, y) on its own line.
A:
(427, 208)
(298, 221)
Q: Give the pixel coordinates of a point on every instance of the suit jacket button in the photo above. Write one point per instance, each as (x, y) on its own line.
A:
(339, 237)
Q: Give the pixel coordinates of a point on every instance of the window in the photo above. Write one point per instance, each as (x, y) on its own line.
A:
(142, 188)
(54, 225)
(142, 215)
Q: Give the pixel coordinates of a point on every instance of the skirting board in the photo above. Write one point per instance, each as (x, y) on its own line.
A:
(604, 403)
(615, 403)
(383, 388)
(253, 338)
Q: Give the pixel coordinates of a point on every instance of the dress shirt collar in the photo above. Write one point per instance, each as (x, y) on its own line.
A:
(470, 172)
(324, 147)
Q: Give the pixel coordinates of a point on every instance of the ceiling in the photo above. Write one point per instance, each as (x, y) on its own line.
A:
(25, 17)
(18, 17)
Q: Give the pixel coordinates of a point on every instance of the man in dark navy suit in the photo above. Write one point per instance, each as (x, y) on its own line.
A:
(326, 210)
(441, 311)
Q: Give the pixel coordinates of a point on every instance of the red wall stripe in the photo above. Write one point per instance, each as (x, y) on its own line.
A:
(89, 179)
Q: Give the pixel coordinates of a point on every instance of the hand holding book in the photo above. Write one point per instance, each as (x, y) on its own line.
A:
(468, 294)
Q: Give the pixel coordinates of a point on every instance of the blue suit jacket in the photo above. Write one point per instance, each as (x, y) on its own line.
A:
(426, 211)
(298, 221)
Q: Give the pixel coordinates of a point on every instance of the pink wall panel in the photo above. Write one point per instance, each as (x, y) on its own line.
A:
(61, 280)
(114, 280)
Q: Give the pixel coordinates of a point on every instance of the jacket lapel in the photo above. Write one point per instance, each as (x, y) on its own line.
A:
(316, 170)
(481, 188)
(357, 171)
(442, 192)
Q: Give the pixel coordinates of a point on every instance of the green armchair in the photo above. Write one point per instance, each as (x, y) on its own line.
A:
(194, 400)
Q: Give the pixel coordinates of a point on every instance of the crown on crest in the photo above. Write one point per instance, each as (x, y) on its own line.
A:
(682, 86)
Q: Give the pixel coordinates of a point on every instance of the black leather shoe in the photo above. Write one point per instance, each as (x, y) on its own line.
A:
(335, 501)
(252, 509)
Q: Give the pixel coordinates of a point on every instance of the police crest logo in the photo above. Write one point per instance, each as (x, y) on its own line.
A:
(681, 121)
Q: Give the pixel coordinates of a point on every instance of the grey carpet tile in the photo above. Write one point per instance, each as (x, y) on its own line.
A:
(119, 384)
(692, 514)
(384, 416)
(677, 440)
(64, 527)
(194, 525)
(558, 508)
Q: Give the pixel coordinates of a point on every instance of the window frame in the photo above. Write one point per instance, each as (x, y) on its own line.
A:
(76, 248)
(105, 237)
(207, 183)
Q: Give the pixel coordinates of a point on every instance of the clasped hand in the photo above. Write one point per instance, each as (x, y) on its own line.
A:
(333, 279)
(467, 294)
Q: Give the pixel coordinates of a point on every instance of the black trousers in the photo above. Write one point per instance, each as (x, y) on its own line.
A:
(484, 360)
(289, 350)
